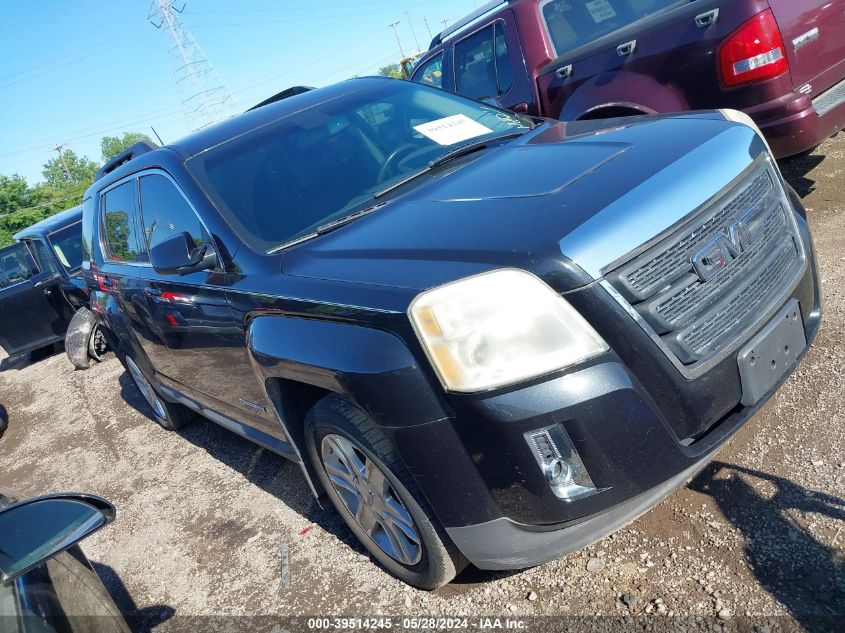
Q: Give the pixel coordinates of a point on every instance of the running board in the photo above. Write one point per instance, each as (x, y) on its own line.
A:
(253, 435)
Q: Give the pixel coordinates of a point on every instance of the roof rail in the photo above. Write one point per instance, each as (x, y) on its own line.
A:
(141, 147)
(457, 26)
(284, 94)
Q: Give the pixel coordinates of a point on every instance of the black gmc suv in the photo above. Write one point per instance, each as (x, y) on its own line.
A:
(484, 337)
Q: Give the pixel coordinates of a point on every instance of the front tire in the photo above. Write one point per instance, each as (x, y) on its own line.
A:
(376, 496)
(169, 415)
(84, 340)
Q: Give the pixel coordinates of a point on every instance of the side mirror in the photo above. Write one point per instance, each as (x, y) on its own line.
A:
(35, 530)
(179, 255)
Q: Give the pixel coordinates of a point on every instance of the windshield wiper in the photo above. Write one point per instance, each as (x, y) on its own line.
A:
(346, 219)
(468, 148)
(326, 228)
(449, 156)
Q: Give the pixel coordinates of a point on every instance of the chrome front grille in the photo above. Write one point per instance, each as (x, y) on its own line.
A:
(699, 310)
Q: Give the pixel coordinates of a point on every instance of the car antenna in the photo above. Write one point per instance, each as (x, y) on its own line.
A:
(160, 142)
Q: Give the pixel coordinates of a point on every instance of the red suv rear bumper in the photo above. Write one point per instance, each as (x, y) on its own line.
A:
(792, 124)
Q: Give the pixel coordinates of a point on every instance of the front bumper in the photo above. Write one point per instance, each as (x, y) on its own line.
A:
(506, 544)
(627, 414)
(797, 122)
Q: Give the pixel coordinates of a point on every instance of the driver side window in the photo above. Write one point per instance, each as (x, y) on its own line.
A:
(166, 212)
(14, 268)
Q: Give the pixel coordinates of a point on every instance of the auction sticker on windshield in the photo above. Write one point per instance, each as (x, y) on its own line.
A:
(452, 129)
(601, 10)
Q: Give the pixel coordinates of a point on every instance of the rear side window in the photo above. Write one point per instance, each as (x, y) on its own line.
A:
(572, 23)
(431, 72)
(482, 66)
(120, 232)
(166, 212)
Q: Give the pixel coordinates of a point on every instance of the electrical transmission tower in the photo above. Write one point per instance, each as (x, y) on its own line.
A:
(205, 98)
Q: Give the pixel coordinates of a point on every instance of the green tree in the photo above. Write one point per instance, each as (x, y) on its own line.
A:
(13, 193)
(391, 70)
(68, 169)
(113, 145)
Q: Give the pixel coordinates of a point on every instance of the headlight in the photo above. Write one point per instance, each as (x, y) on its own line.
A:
(499, 328)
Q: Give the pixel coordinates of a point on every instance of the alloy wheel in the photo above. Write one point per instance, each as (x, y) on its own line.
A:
(97, 344)
(146, 389)
(370, 499)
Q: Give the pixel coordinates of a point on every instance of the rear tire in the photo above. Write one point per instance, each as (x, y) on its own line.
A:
(376, 496)
(84, 340)
(169, 415)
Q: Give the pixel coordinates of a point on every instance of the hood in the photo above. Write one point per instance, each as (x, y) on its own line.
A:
(564, 201)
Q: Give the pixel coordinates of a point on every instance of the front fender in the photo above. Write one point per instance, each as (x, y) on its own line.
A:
(372, 367)
(621, 89)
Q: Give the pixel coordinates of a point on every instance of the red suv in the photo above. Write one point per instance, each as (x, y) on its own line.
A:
(780, 61)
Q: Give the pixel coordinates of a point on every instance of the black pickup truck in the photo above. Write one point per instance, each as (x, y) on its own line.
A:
(483, 336)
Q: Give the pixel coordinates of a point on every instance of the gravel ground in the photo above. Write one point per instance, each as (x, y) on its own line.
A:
(755, 542)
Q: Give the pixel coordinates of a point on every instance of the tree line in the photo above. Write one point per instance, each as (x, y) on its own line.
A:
(66, 177)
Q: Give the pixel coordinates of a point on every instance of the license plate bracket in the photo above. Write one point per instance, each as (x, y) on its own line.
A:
(769, 355)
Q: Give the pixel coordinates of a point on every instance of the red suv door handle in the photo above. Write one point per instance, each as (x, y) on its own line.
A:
(627, 48)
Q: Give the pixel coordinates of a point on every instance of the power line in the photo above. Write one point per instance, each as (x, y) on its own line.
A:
(413, 32)
(68, 59)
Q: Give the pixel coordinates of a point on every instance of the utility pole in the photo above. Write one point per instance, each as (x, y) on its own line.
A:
(59, 149)
(445, 22)
(427, 27)
(393, 25)
(205, 98)
(411, 23)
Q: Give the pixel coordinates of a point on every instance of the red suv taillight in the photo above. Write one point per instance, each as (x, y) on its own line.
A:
(754, 52)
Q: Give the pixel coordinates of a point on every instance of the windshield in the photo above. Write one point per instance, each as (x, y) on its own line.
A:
(282, 181)
(67, 244)
(572, 23)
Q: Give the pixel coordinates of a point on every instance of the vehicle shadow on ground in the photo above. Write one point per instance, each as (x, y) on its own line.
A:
(795, 172)
(272, 473)
(22, 361)
(802, 573)
(139, 620)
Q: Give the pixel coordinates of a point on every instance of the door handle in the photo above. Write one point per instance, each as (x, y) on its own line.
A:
(707, 19)
(623, 50)
(564, 72)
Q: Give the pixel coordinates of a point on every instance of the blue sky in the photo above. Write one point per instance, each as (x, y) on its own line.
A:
(73, 71)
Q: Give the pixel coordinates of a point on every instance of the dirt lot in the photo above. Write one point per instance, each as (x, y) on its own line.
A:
(756, 541)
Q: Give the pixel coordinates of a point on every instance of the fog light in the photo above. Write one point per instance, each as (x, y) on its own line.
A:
(557, 471)
(560, 463)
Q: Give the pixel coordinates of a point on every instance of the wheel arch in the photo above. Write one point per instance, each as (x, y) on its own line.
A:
(629, 91)
(300, 360)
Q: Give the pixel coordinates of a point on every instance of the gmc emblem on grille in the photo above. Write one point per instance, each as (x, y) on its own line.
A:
(726, 247)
